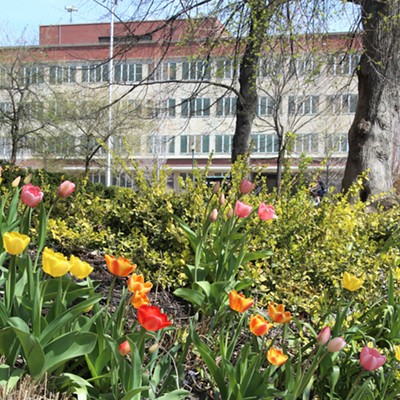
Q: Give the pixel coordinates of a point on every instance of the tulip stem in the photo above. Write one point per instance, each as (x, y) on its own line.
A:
(353, 386)
(108, 301)
(11, 283)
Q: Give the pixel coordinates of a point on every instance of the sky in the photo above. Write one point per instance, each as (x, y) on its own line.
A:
(22, 18)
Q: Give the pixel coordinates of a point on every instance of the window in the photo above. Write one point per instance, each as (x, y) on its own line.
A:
(164, 71)
(5, 78)
(223, 144)
(5, 147)
(264, 143)
(195, 107)
(128, 73)
(226, 106)
(305, 66)
(162, 144)
(62, 74)
(165, 109)
(306, 143)
(6, 108)
(199, 143)
(338, 143)
(345, 103)
(226, 69)
(196, 70)
(95, 73)
(266, 106)
(303, 105)
(343, 64)
(31, 75)
(97, 177)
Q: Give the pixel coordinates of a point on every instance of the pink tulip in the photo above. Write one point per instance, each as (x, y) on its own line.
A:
(246, 186)
(336, 345)
(371, 359)
(221, 199)
(324, 336)
(31, 195)
(266, 212)
(214, 215)
(65, 189)
(124, 348)
(242, 210)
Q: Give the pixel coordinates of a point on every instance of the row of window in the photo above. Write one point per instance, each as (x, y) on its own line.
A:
(266, 143)
(127, 72)
(226, 106)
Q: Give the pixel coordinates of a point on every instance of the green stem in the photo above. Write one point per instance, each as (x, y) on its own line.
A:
(11, 278)
(353, 386)
(108, 302)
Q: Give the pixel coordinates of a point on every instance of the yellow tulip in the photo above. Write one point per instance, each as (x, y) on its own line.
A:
(397, 352)
(80, 269)
(54, 264)
(15, 243)
(351, 282)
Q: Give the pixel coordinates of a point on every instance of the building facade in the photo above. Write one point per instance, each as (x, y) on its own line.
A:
(173, 100)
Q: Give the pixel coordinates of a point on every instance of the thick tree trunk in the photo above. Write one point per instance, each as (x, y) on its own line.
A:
(247, 101)
(374, 134)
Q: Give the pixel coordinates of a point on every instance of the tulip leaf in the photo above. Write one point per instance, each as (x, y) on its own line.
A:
(257, 255)
(9, 377)
(64, 319)
(33, 351)
(206, 286)
(134, 392)
(191, 295)
(68, 346)
(42, 228)
(175, 395)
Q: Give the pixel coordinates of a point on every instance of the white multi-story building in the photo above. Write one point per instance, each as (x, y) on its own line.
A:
(171, 97)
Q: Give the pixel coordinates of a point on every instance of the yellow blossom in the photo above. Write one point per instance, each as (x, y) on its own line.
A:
(80, 269)
(397, 352)
(15, 243)
(54, 264)
(351, 282)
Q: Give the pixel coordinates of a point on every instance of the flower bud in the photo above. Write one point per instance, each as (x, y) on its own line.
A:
(16, 181)
(324, 336)
(216, 187)
(153, 348)
(221, 199)
(28, 179)
(336, 345)
(65, 189)
(246, 186)
(229, 214)
(124, 348)
(214, 215)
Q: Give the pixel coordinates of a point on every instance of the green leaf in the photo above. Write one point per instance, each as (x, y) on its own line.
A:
(259, 255)
(42, 228)
(68, 346)
(134, 392)
(191, 295)
(206, 286)
(9, 377)
(33, 351)
(175, 395)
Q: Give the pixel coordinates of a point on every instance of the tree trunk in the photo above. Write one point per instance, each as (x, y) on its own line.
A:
(374, 134)
(247, 101)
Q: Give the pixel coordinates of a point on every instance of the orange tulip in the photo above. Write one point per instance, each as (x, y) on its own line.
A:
(276, 357)
(259, 326)
(124, 348)
(238, 302)
(119, 266)
(136, 283)
(278, 313)
(139, 299)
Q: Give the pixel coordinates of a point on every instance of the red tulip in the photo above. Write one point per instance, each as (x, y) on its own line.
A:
(371, 359)
(242, 210)
(65, 189)
(266, 212)
(152, 319)
(246, 186)
(31, 195)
